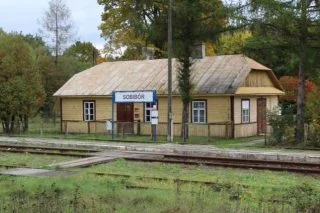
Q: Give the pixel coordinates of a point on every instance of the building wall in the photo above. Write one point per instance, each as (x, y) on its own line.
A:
(218, 110)
(258, 79)
(218, 116)
(245, 130)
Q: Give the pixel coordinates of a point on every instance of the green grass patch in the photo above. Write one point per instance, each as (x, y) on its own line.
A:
(233, 191)
(31, 160)
(249, 178)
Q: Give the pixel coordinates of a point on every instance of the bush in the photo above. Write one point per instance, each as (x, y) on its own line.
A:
(282, 125)
(313, 116)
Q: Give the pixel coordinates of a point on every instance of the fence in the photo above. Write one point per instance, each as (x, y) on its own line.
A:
(222, 129)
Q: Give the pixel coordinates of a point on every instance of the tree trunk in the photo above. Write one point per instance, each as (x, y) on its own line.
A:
(25, 123)
(11, 124)
(300, 104)
(185, 122)
(302, 61)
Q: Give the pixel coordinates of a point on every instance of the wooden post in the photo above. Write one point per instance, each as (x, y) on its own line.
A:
(138, 127)
(209, 132)
(66, 127)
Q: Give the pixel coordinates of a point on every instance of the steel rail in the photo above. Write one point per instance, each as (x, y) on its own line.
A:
(303, 167)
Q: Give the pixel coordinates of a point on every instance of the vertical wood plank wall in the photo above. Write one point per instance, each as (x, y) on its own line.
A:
(218, 110)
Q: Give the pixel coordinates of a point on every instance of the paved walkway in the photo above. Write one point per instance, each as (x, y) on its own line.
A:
(199, 150)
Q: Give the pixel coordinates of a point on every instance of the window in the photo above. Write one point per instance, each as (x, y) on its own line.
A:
(89, 110)
(245, 111)
(147, 111)
(199, 112)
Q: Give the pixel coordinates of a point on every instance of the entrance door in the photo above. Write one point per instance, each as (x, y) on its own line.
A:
(125, 118)
(261, 115)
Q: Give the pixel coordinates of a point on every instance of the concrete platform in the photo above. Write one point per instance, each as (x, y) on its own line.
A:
(199, 150)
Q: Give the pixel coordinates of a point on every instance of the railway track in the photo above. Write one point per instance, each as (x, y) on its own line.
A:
(307, 168)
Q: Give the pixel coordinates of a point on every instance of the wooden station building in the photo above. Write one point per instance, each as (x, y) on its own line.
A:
(231, 95)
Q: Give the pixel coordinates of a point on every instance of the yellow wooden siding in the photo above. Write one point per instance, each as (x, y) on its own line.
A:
(72, 109)
(245, 130)
(75, 127)
(176, 109)
(258, 79)
(218, 109)
(272, 102)
(138, 112)
(103, 108)
(237, 109)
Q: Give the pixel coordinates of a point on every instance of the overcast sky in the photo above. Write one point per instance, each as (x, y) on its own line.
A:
(23, 15)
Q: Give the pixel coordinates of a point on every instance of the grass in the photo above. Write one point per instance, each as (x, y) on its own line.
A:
(249, 178)
(31, 160)
(233, 191)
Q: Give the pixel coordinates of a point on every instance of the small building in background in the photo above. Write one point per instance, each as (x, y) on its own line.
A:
(231, 95)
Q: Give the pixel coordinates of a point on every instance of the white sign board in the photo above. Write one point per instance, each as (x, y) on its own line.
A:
(134, 97)
(154, 121)
(109, 125)
(154, 114)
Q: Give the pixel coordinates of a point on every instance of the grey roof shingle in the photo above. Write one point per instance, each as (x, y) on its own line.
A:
(216, 75)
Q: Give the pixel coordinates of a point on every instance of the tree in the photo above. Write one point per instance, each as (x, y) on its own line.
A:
(233, 42)
(194, 22)
(134, 24)
(83, 52)
(290, 85)
(291, 29)
(21, 90)
(57, 26)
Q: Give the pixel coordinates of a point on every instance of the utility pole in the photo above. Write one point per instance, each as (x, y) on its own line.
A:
(170, 116)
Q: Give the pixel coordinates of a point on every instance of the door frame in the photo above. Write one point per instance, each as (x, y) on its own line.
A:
(264, 124)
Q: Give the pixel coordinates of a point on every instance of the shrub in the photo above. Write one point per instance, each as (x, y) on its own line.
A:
(282, 125)
(313, 116)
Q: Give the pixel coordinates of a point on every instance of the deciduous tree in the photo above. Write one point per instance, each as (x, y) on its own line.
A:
(21, 90)
(83, 52)
(57, 26)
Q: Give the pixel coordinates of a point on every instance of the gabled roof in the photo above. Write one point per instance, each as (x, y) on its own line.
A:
(210, 75)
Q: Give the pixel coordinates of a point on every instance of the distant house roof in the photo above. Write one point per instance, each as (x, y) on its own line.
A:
(210, 75)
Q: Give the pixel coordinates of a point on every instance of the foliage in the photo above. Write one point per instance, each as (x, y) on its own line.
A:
(131, 24)
(83, 52)
(21, 91)
(57, 26)
(233, 42)
(287, 31)
(313, 114)
(290, 85)
(194, 22)
(282, 125)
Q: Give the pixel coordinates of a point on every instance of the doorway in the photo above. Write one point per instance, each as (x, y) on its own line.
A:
(261, 115)
(125, 118)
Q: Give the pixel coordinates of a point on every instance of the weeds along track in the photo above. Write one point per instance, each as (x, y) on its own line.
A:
(82, 153)
(307, 168)
(298, 167)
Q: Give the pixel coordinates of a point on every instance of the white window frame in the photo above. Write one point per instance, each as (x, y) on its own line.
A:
(87, 116)
(148, 107)
(198, 110)
(245, 111)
